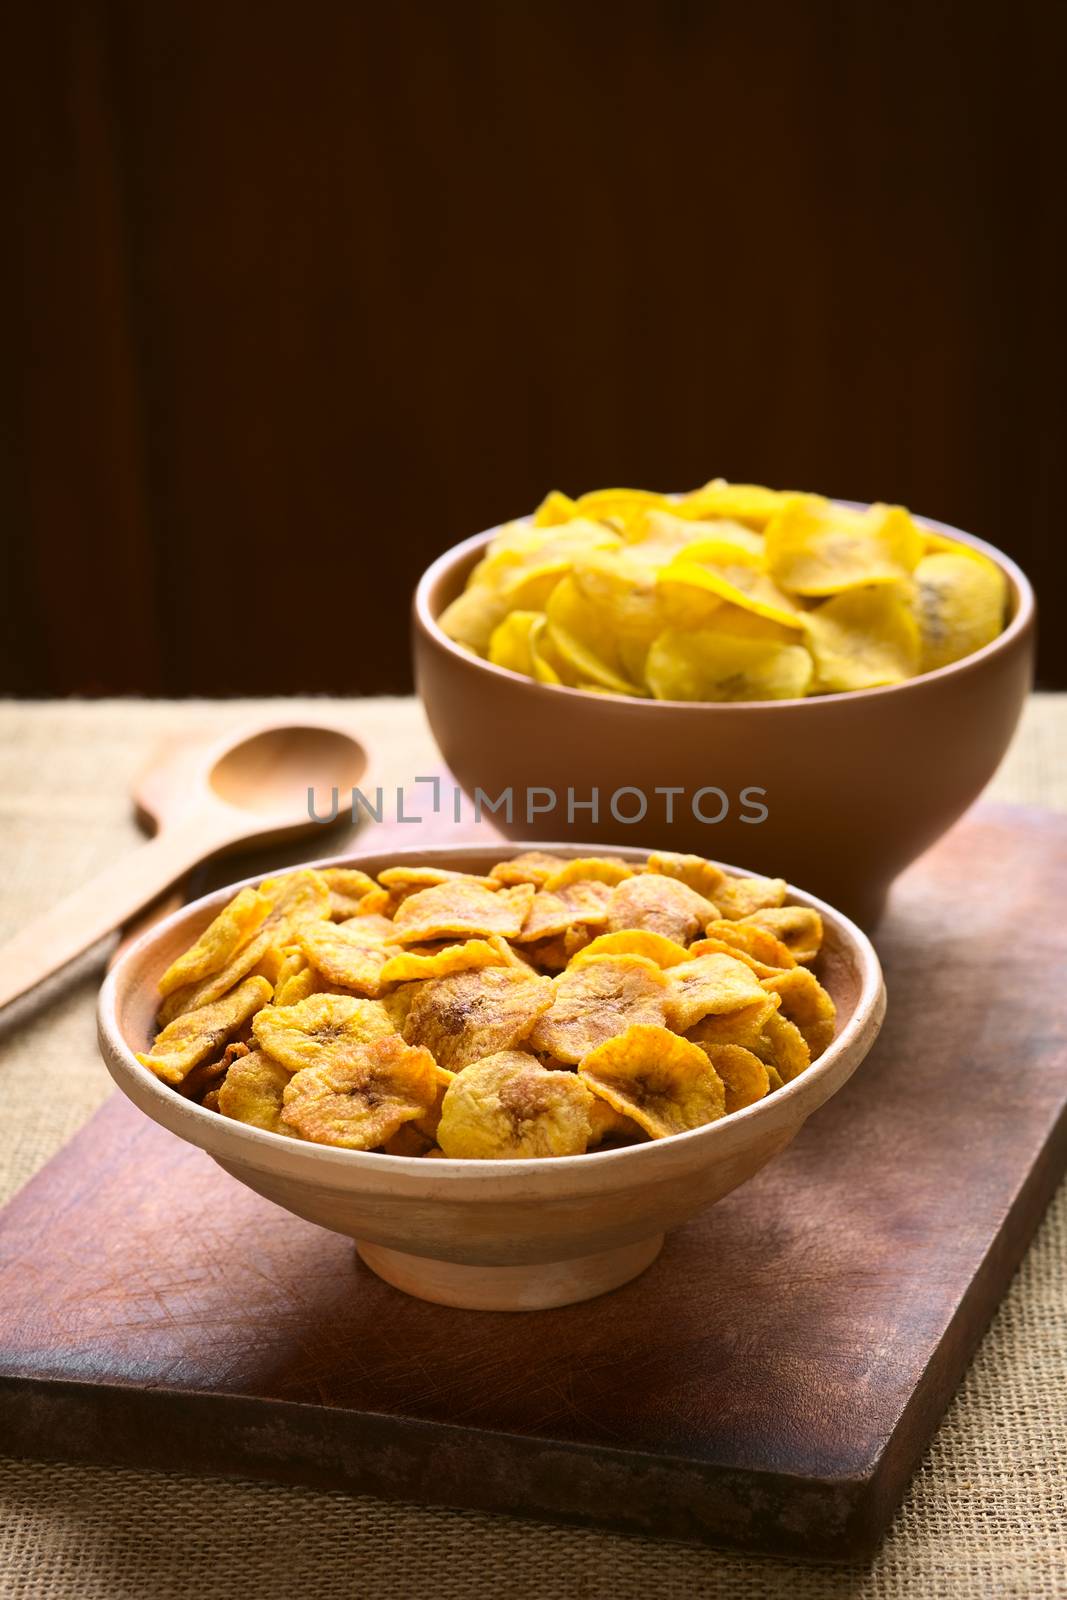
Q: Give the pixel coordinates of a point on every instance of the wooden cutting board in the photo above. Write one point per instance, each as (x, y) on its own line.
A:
(771, 1381)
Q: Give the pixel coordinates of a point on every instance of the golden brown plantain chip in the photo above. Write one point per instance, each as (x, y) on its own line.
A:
(742, 1027)
(508, 1107)
(407, 1141)
(405, 966)
(798, 927)
(664, 1083)
(322, 1029)
(209, 1074)
(739, 897)
(554, 911)
(782, 1045)
(658, 904)
(636, 942)
(702, 876)
(608, 1124)
(407, 879)
(196, 1035)
(589, 869)
(743, 1074)
(359, 1103)
(298, 986)
(469, 1015)
(596, 999)
(219, 942)
(708, 984)
(463, 909)
(806, 1003)
(767, 953)
(532, 866)
(347, 886)
(351, 954)
(252, 1092)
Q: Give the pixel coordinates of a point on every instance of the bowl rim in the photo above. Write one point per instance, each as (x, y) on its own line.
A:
(1020, 622)
(867, 1016)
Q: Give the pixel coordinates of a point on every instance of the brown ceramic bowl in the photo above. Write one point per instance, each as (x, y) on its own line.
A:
(497, 1235)
(856, 785)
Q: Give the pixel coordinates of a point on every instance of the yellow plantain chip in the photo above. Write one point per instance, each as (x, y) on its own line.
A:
(510, 643)
(296, 898)
(596, 999)
(663, 1083)
(409, 965)
(462, 908)
(815, 548)
(806, 1004)
(192, 1038)
(585, 641)
(532, 866)
(322, 1029)
(242, 964)
(626, 509)
(636, 942)
(351, 953)
(767, 953)
(798, 927)
(711, 983)
(864, 639)
(620, 586)
(607, 1123)
(508, 1107)
(708, 666)
(742, 1027)
(297, 986)
(658, 904)
(554, 509)
(597, 869)
(359, 1103)
(732, 573)
(747, 503)
(208, 1075)
(740, 897)
(473, 1014)
(743, 1074)
(782, 1046)
(347, 886)
(473, 617)
(774, 1078)
(406, 880)
(554, 911)
(253, 1091)
(219, 942)
(696, 873)
(961, 605)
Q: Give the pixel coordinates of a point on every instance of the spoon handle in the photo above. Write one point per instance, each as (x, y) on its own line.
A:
(105, 902)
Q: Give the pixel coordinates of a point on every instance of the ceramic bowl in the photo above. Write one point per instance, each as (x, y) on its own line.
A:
(497, 1235)
(855, 785)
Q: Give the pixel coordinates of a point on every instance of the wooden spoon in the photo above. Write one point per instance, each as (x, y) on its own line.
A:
(251, 785)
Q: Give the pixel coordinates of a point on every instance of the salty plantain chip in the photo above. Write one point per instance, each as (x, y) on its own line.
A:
(961, 602)
(252, 1091)
(409, 965)
(816, 548)
(462, 908)
(740, 897)
(553, 911)
(507, 1106)
(358, 1103)
(864, 639)
(636, 942)
(532, 866)
(747, 503)
(595, 999)
(511, 642)
(658, 904)
(799, 928)
(743, 1074)
(473, 617)
(589, 869)
(742, 1027)
(767, 953)
(351, 954)
(219, 942)
(710, 983)
(473, 1014)
(734, 574)
(196, 1035)
(323, 1029)
(708, 665)
(782, 1046)
(664, 1083)
(806, 1004)
(585, 640)
(694, 871)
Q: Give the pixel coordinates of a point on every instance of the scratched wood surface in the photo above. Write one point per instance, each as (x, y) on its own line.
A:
(771, 1381)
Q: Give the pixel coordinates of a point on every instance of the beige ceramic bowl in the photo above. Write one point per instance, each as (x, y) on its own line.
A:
(856, 785)
(495, 1235)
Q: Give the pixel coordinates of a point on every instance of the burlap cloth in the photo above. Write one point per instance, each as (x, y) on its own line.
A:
(985, 1515)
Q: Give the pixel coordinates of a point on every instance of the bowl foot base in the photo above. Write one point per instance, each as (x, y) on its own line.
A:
(524, 1288)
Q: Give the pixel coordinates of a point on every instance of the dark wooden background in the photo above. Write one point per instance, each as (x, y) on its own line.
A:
(298, 295)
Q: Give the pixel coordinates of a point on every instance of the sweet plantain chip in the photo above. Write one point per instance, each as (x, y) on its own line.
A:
(799, 928)
(351, 954)
(708, 665)
(864, 639)
(511, 642)
(507, 1106)
(806, 1004)
(405, 880)
(732, 573)
(298, 985)
(658, 904)
(198, 1034)
(532, 866)
(347, 886)
(708, 984)
(594, 1000)
(473, 954)
(747, 503)
(961, 604)
(742, 1027)
(469, 1015)
(743, 1074)
(702, 876)
(663, 1083)
(740, 897)
(206, 1077)
(816, 548)
(585, 641)
(219, 942)
(589, 869)
(323, 1029)
(635, 942)
(766, 953)
(553, 911)
(252, 1091)
(782, 1046)
(359, 1103)
(608, 1124)
(461, 908)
